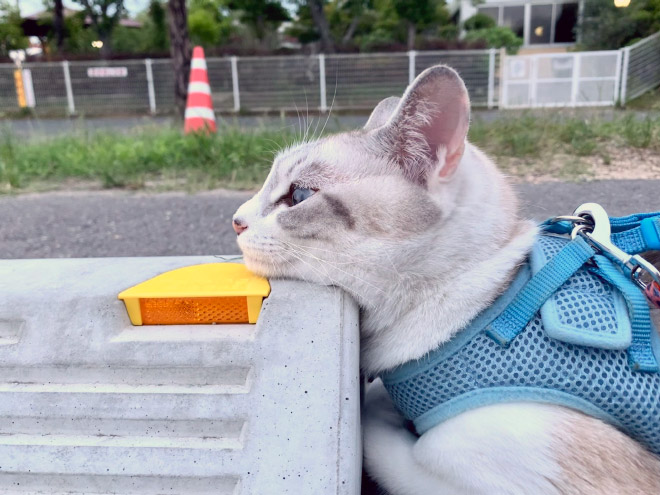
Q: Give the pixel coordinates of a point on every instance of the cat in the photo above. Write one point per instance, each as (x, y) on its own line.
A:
(424, 232)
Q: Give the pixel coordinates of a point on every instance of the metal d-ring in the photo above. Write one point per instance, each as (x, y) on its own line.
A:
(600, 236)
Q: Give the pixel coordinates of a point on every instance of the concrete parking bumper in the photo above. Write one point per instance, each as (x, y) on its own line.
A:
(90, 403)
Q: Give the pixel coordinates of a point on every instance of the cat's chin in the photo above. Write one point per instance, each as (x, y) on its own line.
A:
(259, 267)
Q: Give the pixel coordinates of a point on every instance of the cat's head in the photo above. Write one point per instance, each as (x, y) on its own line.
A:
(371, 199)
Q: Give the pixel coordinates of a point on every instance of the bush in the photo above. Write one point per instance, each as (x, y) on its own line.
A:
(496, 37)
(448, 32)
(479, 21)
(605, 27)
(380, 40)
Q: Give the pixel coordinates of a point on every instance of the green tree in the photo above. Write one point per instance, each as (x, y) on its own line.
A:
(317, 9)
(480, 27)
(355, 11)
(105, 15)
(605, 26)
(479, 21)
(263, 17)
(58, 24)
(303, 28)
(11, 32)
(158, 26)
(78, 38)
(349, 21)
(416, 14)
(209, 22)
(496, 37)
(348, 18)
(152, 37)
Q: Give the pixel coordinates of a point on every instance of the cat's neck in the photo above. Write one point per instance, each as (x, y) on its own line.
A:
(471, 260)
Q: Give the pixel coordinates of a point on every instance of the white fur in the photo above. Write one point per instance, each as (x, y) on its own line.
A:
(505, 448)
(418, 284)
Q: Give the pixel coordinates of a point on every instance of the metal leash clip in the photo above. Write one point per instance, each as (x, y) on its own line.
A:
(591, 222)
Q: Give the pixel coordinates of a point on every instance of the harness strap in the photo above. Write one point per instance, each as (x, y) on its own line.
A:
(540, 287)
(633, 234)
(644, 237)
(640, 352)
(624, 223)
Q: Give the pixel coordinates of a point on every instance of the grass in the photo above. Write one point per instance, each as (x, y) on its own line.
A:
(233, 158)
(538, 144)
(648, 101)
(536, 139)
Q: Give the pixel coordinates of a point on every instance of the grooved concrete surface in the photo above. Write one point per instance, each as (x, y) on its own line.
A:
(91, 404)
(112, 223)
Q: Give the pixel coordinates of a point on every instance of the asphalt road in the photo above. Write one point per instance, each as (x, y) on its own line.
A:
(112, 223)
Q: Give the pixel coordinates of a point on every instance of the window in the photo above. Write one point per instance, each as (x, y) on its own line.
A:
(537, 24)
(514, 18)
(566, 15)
(541, 25)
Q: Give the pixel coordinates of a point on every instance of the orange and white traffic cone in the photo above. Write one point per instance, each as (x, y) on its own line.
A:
(199, 106)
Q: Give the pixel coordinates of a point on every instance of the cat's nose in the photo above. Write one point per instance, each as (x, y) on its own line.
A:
(239, 225)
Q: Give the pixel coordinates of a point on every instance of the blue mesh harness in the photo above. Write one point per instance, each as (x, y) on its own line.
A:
(571, 329)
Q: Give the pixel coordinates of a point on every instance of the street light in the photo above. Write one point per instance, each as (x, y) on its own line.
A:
(621, 3)
(99, 43)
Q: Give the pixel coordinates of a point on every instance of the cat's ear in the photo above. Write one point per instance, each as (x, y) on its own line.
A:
(382, 113)
(425, 135)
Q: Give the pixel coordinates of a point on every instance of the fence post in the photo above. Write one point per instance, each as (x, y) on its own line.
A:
(624, 75)
(491, 77)
(69, 89)
(234, 83)
(324, 98)
(412, 54)
(29, 88)
(503, 75)
(533, 75)
(150, 86)
(576, 78)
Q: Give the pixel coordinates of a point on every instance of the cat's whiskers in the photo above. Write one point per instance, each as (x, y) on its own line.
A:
(329, 111)
(300, 125)
(312, 267)
(336, 267)
(301, 274)
(307, 122)
(354, 260)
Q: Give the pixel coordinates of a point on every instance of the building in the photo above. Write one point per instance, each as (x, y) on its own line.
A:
(541, 24)
(40, 23)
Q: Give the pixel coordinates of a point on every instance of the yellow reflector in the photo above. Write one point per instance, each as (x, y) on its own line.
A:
(199, 294)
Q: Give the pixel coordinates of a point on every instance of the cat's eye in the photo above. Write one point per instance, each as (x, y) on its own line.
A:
(300, 194)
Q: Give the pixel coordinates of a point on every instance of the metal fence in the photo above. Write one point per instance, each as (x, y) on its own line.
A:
(641, 67)
(247, 84)
(342, 81)
(561, 79)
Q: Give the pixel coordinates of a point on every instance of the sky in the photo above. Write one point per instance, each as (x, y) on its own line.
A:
(31, 6)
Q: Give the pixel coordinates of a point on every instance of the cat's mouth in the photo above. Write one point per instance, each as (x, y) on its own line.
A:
(260, 263)
(258, 266)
